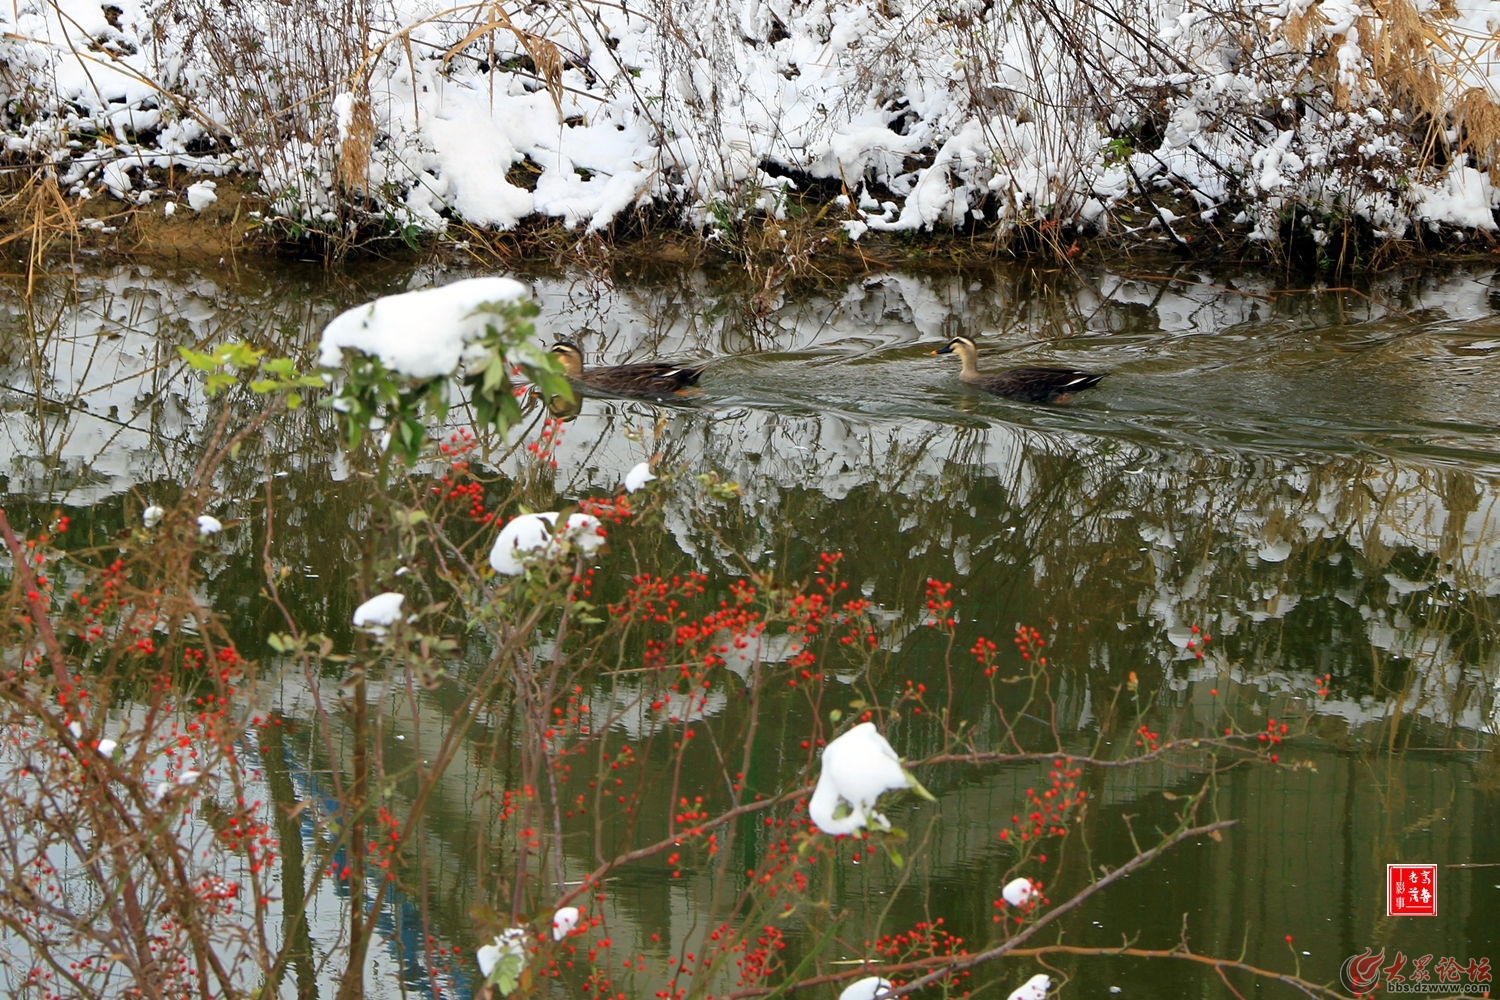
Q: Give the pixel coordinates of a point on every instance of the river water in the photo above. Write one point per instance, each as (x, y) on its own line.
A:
(1308, 475)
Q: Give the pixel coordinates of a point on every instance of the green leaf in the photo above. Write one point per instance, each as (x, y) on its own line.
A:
(506, 975)
(494, 376)
(510, 410)
(916, 786)
(197, 359)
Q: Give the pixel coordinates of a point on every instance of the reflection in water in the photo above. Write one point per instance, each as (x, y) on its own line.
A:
(1311, 479)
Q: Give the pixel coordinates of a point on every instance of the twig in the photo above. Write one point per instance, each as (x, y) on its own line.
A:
(34, 602)
(1005, 947)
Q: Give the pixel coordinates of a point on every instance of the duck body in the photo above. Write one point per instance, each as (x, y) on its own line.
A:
(642, 380)
(1035, 385)
(1028, 385)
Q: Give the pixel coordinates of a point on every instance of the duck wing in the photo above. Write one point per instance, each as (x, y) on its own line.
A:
(1039, 385)
(645, 379)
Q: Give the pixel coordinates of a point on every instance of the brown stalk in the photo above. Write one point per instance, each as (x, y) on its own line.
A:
(33, 595)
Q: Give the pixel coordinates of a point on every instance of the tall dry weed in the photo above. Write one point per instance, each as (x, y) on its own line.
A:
(42, 217)
(546, 58)
(356, 144)
(1404, 57)
(1418, 61)
(276, 68)
(1478, 120)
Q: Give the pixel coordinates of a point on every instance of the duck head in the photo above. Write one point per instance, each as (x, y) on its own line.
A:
(962, 346)
(570, 356)
(967, 351)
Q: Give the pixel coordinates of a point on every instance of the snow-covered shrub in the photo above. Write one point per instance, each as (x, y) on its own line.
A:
(903, 115)
(1323, 122)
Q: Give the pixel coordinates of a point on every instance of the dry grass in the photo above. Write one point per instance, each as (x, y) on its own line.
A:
(355, 146)
(1419, 61)
(546, 57)
(278, 89)
(281, 64)
(1403, 57)
(1478, 118)
(40, 217)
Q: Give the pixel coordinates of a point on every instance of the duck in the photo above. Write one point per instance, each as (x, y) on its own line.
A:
(643, 379)
(1028, 385)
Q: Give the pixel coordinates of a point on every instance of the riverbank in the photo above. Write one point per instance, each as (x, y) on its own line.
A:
(48, 228)
(1325, 136)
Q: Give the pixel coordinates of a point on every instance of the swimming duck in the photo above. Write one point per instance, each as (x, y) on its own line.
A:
(645, 379)
(1029, 385)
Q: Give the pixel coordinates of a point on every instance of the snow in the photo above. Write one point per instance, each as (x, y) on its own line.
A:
(923, 121)
(519, 540)
(1274, 550)
(529, 538)
(1034, 988)
(563, 922)
(201, 195)
(421, 334)
(152, 516)
(209, 525)
(379, 612)
(1464, 196)
(508, 943)
(867, 988)
(1018, 892)
(163, 788)
(638, 477)
(858, 767)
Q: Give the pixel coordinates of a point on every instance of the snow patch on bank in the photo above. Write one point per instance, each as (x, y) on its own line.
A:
(987, 114)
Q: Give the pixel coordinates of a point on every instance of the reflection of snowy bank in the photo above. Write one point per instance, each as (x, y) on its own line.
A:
(1442, 692)
(1223, 476)
(176, 788)
(88, 423)
(641, 703)
(1412, 557)
(640, 710)
(101, 403)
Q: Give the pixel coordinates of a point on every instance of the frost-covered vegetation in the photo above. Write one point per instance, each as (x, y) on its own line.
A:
(1332, 124)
